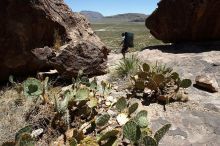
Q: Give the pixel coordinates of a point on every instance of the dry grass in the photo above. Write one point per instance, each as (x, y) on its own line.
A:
(12, 115)
(17, 112)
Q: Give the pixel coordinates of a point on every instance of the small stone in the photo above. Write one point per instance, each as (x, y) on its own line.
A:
(37, 132)
(122, 119)
(207, 83)
(115, 87)
(108, 103)
(110, 98)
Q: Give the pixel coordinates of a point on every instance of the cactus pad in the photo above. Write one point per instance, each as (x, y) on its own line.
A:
(73, 142)
(161, 132)
(121, 104)
(109, 134)
(141, 119)
(32, 87)
(26, 140)
(132, 108)
(132, 131)
(82, 94)
(102, 120)
(159, 79)
(93, 102)
(186, 83)
(27, 129)
(175, 75)
(146, 67)
(149, 141)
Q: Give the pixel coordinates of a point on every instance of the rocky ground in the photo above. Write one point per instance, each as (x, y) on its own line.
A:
(194, 123)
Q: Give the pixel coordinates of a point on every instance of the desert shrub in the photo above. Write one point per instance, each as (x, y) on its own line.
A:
(78, 113)
(158, 83)
(128, 66)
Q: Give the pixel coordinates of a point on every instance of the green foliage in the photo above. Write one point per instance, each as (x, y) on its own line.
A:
(161, 132)
(128, 66)
(26, 140)
(73, 142)
(121, 104)
(132, 131)
(82, 94)
(141, 119)
(80, 118)
(32, 87)
(26, 129)
(102, 120)
(22, 138)
(186, 83)
(160, 82)
(108, 135)
(132, 108)
(149, 141)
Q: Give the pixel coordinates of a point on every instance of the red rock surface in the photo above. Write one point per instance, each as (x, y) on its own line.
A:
(185, 21)
(34, 33)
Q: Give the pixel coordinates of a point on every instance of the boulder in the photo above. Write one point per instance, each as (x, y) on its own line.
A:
(176, 21)
(207, 83)
(38, 35)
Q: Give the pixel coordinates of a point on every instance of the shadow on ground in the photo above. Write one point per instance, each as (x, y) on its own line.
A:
(186, 47)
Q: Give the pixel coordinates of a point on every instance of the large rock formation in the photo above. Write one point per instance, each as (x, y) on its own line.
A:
(41, 34)
(185, 20)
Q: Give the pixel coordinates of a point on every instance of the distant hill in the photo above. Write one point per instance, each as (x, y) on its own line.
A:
(92, 16)
(127, 17)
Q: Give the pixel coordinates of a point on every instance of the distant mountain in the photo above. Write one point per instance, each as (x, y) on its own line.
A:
(92, 16)
(128, 17)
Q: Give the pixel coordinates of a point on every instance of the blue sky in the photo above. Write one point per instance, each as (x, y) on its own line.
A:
(112, 7)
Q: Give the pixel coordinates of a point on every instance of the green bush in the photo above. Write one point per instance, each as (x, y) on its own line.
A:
(128, 66)
(158, 83)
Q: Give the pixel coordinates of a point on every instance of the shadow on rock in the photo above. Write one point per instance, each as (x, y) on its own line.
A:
(179, 48)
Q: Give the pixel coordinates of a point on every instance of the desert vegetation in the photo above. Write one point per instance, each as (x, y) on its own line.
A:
(63, 86)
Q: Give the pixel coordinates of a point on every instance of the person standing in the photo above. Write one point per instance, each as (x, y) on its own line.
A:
(127, 42)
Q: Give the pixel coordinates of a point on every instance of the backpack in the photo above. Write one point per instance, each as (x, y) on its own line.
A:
(129, 39)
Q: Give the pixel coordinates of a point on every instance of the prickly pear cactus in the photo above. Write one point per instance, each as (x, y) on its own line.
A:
(73, 142)
(82, 94)
(89, 141)
(102, 120)
(93, 102)
(149, 141)
(108, 135)
(175, 76)
(158, 79)
(186, 83)
(132, 131)
(132, 108)
(161, 132)
(26, 140)
(141, 119)
(94, 84)
(146, 67)
(121, 104)
(32, 87)
(26, 129)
